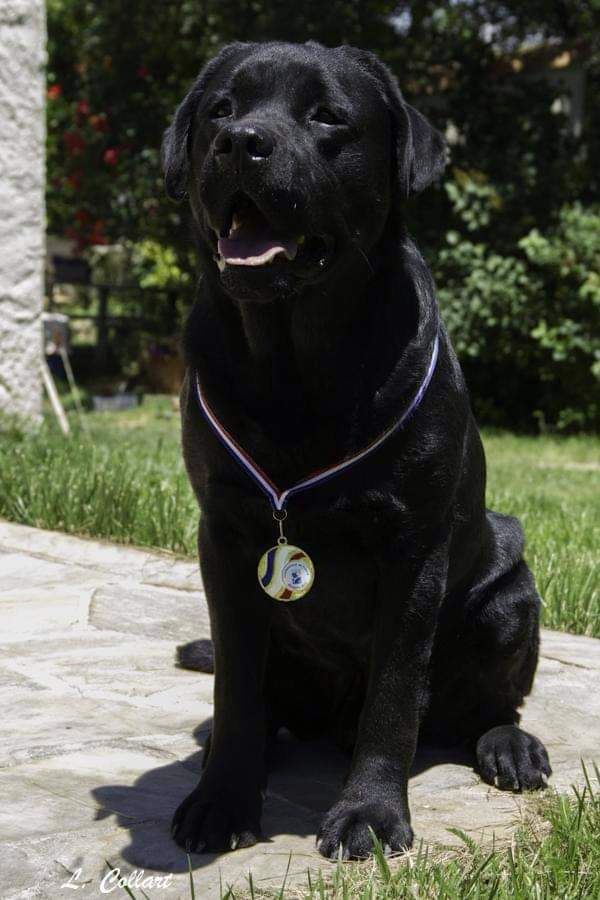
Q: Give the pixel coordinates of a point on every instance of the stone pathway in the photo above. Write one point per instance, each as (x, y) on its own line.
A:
(102, 734)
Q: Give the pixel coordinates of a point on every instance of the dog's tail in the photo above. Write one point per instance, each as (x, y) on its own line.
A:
(196, 655)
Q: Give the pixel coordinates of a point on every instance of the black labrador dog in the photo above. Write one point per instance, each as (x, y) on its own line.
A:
(316, 331)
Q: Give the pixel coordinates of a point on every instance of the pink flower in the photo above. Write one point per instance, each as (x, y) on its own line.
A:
(74, 142)
(97, 235)
(99, 122)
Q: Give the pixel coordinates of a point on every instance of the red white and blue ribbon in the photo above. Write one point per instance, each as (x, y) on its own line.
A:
(279, 498)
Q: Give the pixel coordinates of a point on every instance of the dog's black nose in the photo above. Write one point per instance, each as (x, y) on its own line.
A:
(243, 142)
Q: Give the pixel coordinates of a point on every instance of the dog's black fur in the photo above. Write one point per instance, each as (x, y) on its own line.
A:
(423, 619)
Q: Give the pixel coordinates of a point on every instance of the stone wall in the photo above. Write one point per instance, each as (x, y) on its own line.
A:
(22, 219)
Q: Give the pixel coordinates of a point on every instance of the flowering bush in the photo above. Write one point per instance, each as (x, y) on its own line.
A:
(111, 91)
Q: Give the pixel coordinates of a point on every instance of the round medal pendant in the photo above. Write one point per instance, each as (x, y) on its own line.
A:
(286, 572)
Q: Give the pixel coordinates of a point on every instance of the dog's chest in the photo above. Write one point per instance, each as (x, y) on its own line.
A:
(335, 620)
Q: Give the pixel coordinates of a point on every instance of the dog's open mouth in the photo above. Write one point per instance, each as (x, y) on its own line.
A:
(250, 239)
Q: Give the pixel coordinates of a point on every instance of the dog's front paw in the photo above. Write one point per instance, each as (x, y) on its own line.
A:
(218, 815)
(512, 759)
(347, 825)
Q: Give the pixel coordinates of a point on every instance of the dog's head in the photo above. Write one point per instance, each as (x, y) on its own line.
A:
(293, 157)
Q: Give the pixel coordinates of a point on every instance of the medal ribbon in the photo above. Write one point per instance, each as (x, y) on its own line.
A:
(279, 498)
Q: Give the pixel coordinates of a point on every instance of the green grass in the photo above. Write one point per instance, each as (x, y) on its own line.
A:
(553, 486)
(554, 855)
(122, 479)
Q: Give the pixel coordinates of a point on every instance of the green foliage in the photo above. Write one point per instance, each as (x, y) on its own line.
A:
(473, 199)
(155, 265)
(527, 325)
(568, 329)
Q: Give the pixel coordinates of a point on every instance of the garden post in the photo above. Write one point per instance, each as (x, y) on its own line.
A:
(102, 325)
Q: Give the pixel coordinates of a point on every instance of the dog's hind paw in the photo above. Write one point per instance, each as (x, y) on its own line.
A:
(512, 759)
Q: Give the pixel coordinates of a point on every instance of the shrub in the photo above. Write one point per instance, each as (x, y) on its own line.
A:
(524, 321)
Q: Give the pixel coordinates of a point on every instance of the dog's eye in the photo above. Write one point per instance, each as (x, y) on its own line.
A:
(221, 110)
(325, 116)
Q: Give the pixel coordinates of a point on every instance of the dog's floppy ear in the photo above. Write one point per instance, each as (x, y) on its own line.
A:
(175, 143)
(426, 151)
(420, 149)
(176, 139)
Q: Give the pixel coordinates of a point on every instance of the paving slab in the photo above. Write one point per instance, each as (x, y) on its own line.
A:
(102, 734)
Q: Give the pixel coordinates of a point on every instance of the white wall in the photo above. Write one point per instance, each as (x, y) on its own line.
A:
(22, 214)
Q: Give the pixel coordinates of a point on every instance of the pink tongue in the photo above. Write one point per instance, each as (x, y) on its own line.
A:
(253, 250)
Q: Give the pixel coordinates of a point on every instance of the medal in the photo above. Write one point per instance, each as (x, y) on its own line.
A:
(286, 572)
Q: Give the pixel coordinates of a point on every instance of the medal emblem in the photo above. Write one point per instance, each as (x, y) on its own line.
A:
(286, 572)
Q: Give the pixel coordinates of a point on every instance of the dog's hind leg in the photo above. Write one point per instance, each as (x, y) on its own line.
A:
(484, 663)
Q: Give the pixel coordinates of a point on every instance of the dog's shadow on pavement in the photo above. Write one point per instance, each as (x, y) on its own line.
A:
(304, 780)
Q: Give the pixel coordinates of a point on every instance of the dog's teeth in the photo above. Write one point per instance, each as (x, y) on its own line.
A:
(235, 839)
(221, 263)
(235, 225)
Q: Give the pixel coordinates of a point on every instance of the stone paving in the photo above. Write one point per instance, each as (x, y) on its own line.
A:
(102, 734)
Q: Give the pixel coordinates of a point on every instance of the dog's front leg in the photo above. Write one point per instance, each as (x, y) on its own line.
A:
(375, 795)
(224, 811)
